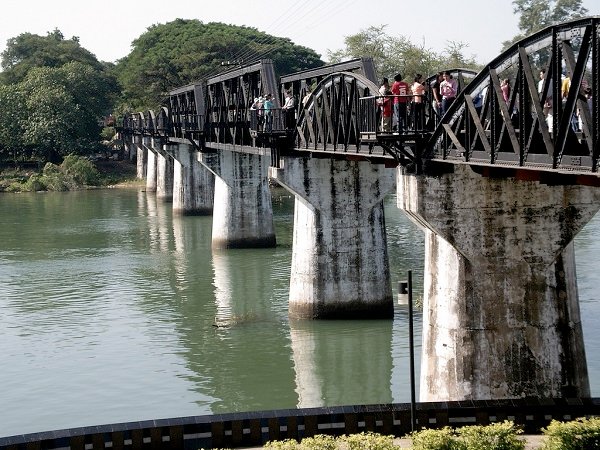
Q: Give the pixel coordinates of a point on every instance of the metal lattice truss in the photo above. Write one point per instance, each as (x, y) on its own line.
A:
(547, 124)
(147, 123)
(186, 107)
(329, 121)
(229, 97)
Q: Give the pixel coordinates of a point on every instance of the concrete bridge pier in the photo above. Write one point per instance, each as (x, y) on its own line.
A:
(141, 158)
(500, 310)
(150, 153)
(340, 266)
(243, 213)
(193, 184)
(164, 174)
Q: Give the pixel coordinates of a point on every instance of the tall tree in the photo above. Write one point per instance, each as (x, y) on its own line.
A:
(183, 51)
(534, 15)
(393, 54)
(28, 50)
(61, 109)
(12, 118)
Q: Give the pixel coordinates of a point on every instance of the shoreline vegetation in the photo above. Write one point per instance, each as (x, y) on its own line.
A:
(74, 173)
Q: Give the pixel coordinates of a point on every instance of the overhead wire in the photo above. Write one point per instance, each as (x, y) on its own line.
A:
(299, 11)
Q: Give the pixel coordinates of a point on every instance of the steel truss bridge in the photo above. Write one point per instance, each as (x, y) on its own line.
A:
(537, 134)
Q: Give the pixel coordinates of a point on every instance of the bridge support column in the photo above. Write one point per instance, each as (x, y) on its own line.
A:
(500, 311)
(193, 184)
(150, 165)
(141, 158)
(340, 266)
(243, 213)
(164, 176)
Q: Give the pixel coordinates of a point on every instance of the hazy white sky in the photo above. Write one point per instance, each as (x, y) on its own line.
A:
(107, 28)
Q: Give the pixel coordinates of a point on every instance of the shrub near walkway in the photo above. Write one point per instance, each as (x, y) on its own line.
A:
(580, 434)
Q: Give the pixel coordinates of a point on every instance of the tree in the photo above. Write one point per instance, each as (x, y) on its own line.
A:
(28, 50)
(535, 15)
(12, 119)
(62, 107)
(52, 94)
(397, 54)
(180, 52)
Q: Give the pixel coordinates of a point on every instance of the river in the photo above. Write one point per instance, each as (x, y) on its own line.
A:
(113, 310)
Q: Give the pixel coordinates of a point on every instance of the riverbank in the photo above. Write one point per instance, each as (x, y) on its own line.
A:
(82, 174)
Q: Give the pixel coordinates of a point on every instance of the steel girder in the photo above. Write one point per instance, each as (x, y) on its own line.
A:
(520, 132)
(229, 97)
(186, 112)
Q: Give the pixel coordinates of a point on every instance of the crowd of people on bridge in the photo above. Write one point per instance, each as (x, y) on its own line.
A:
(402, 106)
(265, 109)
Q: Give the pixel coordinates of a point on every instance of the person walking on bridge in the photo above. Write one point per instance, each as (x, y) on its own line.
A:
(418, 90)
(385, 106)
(401, 92)
(289, 109)
(448, 89)
(268, 109)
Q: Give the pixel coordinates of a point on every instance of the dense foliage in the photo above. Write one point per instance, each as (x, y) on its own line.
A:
(52, 94)
(397, 54)
(28, 51)
(180, 52)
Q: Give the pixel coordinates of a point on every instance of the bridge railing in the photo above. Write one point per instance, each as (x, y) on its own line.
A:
(378, 116)
(274, 120)
(186, 124)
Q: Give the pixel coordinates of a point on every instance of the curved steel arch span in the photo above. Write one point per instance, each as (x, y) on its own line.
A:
(540, 125)
(330, 119)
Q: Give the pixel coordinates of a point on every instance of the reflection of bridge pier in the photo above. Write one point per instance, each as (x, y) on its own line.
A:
(501, 308)
(340, 265)
(364, 380)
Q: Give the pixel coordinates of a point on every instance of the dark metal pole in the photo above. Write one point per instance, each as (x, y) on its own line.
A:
(411, 344)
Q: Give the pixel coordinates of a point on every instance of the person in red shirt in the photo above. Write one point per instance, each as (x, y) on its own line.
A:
(401, 90)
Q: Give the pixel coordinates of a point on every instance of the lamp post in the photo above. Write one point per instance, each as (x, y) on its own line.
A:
(406, 288)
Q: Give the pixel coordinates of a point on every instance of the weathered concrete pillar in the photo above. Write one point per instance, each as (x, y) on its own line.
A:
(150, 165)
(340, 265)
(242, 214)
(501, 311)
(193, 184)
(164, 176)
(141, 158)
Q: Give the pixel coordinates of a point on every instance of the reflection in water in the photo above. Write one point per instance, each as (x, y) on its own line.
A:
(109, 305)
(342, 362)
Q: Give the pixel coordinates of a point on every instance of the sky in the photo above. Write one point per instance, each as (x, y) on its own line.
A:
(107, 28)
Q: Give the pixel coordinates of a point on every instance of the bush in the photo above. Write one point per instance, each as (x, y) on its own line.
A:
(34, 183)
(497, 436)
(442, 439)
(286, 444)
(319, 442)
(580, 434)
(81, 170)
(368, 441)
